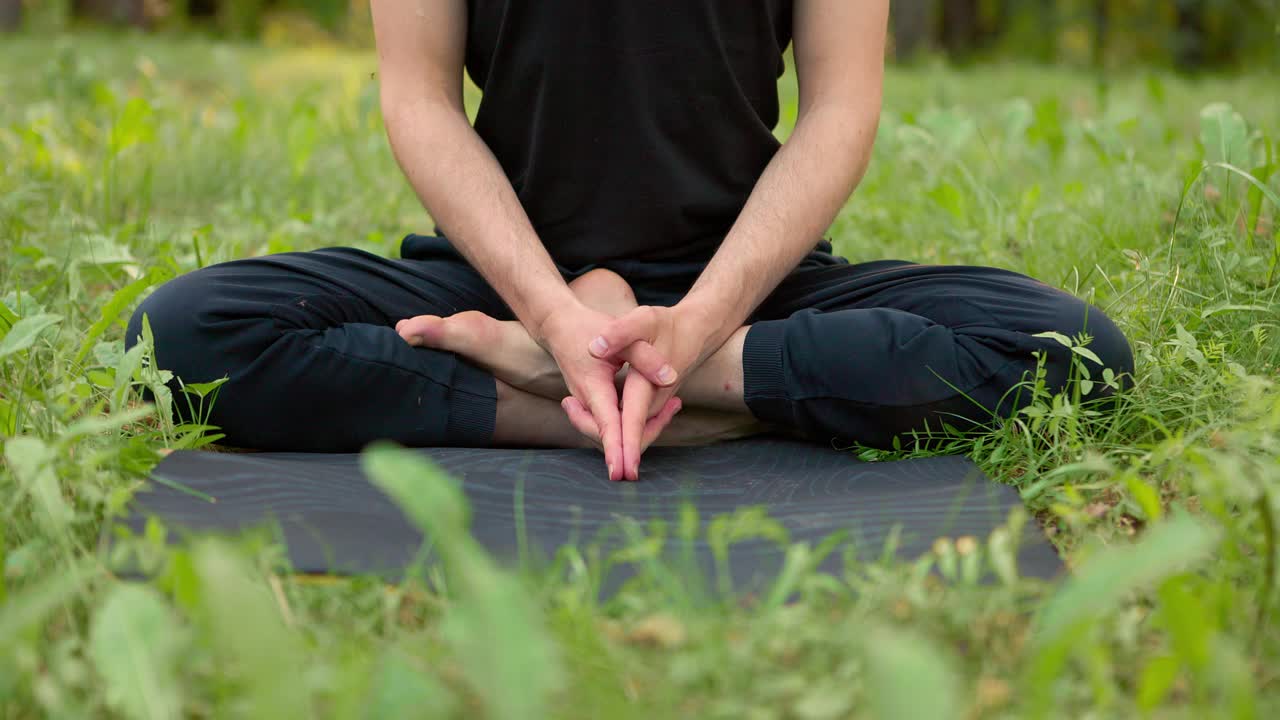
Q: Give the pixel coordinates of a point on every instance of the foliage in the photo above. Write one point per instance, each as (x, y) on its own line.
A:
(126, 165)
(1189, 34)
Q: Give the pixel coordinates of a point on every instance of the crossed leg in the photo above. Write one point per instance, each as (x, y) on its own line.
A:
(530, 387)
(866, 353)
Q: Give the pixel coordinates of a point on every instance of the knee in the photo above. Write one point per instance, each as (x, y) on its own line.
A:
(604, 290)
(167, 311)
(1111, 346)
(1106, 340)
(1086, 324)
(178, 316)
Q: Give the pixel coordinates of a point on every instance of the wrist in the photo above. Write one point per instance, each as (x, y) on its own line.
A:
(551, 314)
(708, 319)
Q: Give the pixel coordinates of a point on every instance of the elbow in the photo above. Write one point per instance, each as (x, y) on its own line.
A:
(392, 103)
(398, 108)
(850, 121)
(844, 130)
(413, 107)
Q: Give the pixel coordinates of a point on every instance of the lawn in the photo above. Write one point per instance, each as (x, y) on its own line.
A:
(125, 160)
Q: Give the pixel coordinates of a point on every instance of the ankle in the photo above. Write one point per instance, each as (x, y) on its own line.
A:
(717, 384)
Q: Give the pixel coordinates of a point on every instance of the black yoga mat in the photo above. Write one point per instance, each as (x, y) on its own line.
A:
(334, 521)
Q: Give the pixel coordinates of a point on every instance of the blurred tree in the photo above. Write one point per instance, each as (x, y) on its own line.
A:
(116, 12)
(242, 18)
(1193, 34)
(178, 13)
(201, 8)
(1046, 14)
(912, 27)
(1100, 31)
(960, 27)
(1190, 34)
(10, 14)
(245, 18)
(1208, 33)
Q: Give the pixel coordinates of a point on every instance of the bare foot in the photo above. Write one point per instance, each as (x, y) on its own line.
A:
(695, 427)
(504, 348)
(526, 420)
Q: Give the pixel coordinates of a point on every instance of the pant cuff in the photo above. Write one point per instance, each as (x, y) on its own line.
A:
(473, 407)
(763, 373)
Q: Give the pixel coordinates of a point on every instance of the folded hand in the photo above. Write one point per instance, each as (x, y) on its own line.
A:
(593, 406)
(671, 343)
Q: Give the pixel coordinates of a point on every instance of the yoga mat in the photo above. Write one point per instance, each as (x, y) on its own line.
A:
(334, 521)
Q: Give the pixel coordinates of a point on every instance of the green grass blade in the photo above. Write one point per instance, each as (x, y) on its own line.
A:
(135, 645)
(497, 631)
(909, 676)
(1101, 585)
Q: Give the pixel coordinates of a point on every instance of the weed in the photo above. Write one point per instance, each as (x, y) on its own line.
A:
(127, 164)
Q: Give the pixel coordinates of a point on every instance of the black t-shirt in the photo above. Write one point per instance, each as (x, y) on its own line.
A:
(629, 128)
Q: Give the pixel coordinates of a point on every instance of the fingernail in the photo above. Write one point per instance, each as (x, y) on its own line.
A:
(667, 375)
(635, 472)
(611, 472)
(599, 346)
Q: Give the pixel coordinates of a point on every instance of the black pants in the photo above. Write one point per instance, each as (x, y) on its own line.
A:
(859, 353)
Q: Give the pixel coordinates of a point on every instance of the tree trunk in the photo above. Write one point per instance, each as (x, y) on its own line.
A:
(1100, 21)
(1046, 17)
(202, 8)
(960, 26)
(912, 24)
(999, 20)
(10, 15)
(1189, 35)
(116, 12)
(1221, 47)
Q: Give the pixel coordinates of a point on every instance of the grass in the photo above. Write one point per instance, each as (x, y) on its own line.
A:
(127, 160)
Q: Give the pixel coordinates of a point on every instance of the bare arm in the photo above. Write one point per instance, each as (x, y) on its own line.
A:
(420, 55)
(839, 51)
(421, 46)
(839, 56)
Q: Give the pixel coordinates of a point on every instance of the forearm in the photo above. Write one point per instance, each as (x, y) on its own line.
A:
(464, 188)
(792, 205)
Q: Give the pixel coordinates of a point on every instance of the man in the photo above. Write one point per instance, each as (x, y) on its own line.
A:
(633, 137)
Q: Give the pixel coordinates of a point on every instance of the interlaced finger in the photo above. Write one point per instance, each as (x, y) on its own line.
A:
(581, 420)
(637, 393)
(640, 324)
(649, 362)
(601, 398)
(654, 426)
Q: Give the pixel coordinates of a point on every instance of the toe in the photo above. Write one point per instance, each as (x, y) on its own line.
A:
(420, 331)
(472, 333)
